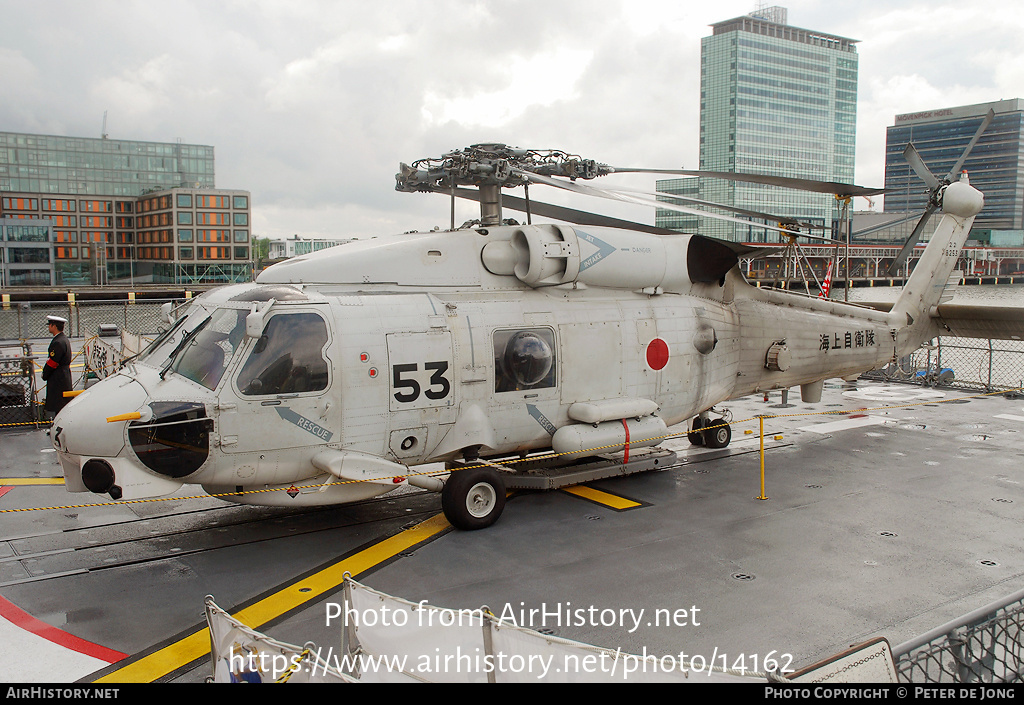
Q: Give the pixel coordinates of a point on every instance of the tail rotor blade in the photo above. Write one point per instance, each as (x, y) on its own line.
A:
(908, 246)
(970, 145)
(917, 164)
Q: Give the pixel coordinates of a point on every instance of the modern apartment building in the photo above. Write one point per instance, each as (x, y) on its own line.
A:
(995, 165)
(779, 100)
(119, 211)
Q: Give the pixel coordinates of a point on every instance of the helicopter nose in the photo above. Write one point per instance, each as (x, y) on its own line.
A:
(83, 426)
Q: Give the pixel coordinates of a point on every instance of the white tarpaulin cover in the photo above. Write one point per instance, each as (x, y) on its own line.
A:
(242, 655)
(420, 642)
(387, 639)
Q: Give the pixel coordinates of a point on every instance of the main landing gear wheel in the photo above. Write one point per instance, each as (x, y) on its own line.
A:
(718, 437)
(473, 498)
(695, 437)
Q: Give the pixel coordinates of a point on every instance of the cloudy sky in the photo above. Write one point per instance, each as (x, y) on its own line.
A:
(312, 104)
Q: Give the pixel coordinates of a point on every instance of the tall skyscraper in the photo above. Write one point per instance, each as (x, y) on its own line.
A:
(779, 100)
(995, 165)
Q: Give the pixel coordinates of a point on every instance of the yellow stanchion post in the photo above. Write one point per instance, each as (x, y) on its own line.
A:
(760, 420)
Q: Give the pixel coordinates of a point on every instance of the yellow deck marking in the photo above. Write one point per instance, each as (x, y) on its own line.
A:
(170, 658)
(12, 481)
(605, 498)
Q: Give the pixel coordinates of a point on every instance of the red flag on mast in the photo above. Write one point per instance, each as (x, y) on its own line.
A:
(826, 286)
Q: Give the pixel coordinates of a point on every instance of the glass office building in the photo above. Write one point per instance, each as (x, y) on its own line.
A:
(26, 257)
(779, 100)
(100, 167)
(118, 211)
(688, 187)
(995, 165)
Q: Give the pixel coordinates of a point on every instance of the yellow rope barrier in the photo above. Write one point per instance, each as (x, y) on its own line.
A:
(508, 463)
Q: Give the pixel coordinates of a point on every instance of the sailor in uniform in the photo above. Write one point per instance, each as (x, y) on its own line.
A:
(57, 370)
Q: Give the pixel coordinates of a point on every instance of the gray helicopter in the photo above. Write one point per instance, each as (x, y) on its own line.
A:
(512, 353)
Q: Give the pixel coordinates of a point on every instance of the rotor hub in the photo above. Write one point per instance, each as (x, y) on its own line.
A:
(492, 164)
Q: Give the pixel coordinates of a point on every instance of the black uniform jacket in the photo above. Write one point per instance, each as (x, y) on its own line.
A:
(57, 373)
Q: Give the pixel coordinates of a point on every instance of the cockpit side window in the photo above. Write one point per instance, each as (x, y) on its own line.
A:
(288, 358)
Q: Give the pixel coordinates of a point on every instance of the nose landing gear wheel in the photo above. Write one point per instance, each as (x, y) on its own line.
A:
(473, 498)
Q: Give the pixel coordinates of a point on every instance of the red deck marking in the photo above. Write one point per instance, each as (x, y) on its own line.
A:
(5, 489)
(14, 614)
(657, 354)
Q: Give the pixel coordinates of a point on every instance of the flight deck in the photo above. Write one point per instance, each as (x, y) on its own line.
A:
(886, 511)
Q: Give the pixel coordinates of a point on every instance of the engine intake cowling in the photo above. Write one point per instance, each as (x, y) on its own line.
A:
(550, 255)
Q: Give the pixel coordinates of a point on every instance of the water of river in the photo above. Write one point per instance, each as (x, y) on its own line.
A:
(1000, 294)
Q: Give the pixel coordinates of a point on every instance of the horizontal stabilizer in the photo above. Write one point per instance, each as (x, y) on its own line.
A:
(972, 320)
(982, 321)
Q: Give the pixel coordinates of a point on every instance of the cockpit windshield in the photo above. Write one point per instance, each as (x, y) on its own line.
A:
(208, 349)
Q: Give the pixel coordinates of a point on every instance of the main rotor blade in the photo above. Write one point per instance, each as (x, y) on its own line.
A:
(569, 215)
(908, 246)
(883, 226)
(913, 157)
(970, 145)
(832, 187)
(711, 204)
(602, 193)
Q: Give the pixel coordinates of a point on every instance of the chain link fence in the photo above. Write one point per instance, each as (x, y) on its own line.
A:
(960, 363)
(20, 385)
(21, 321)
(985, 646)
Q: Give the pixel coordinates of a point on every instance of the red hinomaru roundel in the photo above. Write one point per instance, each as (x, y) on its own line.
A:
(657, 354)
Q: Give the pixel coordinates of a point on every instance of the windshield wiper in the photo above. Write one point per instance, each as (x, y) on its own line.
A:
(180, 346)
(158, 342)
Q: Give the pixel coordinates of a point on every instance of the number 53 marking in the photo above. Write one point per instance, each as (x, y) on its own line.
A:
(438, 388)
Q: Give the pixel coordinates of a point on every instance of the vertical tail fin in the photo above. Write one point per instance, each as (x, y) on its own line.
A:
(961, 202)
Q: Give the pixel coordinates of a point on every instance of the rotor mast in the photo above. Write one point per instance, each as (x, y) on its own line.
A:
(490, 204)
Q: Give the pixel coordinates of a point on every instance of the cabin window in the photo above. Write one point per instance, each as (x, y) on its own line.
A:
(288, 358)
(524, 359)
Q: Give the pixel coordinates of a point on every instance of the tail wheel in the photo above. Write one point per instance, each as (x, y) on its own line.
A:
(473, 498)
(695, 437)
(718, 437)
